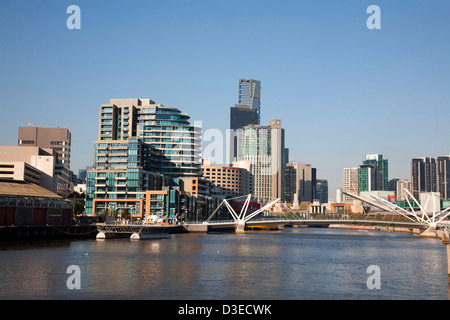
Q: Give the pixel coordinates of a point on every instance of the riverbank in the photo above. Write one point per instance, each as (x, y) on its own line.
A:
(439, 233)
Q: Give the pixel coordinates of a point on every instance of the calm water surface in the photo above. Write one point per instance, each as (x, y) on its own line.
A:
(296, 263)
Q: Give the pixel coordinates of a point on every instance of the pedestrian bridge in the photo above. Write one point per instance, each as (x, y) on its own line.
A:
(424, 223)
(306, 222)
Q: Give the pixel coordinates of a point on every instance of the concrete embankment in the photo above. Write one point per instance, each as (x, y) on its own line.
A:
(47, 232)
(375, 228)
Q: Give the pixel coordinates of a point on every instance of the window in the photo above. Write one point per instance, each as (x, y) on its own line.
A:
(26, 142)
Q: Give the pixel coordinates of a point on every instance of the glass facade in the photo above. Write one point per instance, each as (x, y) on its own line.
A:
(373, 174)
(250, 93)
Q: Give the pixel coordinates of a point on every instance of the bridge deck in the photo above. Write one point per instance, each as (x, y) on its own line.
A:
(314, 222)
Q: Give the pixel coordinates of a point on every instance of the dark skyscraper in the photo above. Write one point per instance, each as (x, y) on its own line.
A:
(443, 176)
(423, 175)
(246, 112)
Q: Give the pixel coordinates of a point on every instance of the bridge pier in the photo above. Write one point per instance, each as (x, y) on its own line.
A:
(100, 235)
(430, 232)
(240, 228)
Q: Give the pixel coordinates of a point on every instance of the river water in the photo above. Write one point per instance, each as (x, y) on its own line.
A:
(292, 264)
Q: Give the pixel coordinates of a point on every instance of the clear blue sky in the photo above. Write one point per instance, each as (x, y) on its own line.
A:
(341, 90)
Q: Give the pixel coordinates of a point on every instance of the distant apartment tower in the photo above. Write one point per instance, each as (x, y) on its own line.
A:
(403, 184)
(245, 112)
(59, 140)
(321, 190)
(423, 176)
(373, 174)
(350, 183)
(302, 183)
(443, 176)
(263, 147)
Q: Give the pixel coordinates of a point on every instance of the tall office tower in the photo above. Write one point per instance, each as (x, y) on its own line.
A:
(350, 183)
(141, 145)
(403, 184)
(381, 175)
(263, 147)
(240, 116)
(59, 140)
(245, 112)
(250, 93)
(302, 179)
(322, 190)
(423, 176)
(290, 183)
(443, 176)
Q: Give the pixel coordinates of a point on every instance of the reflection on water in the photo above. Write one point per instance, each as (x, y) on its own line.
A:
(296, 263)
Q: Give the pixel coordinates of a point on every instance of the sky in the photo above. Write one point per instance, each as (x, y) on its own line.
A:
(341, 89)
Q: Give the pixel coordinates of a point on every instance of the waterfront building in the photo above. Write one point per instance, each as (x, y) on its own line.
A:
(263, 147)
(21, 171)
(27, 204)
(423, 176)
(166, 129)
(350, 183)
(59, 140)
(230, 181)
(122, 170)
(30, 164)
(147, 162)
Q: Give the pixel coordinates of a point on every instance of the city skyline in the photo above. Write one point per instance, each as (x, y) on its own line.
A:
(341, 90)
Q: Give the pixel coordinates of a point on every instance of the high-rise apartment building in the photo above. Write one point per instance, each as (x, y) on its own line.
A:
(373, 174)
(350, 183)
(141, 146)
(166, 129)
(245, 112)
(443, 176)
(59, 140)
(403, 184)
(423, 176)
(301, 180)
(263, 147)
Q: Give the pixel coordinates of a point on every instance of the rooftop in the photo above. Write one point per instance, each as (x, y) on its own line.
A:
(15, 188)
